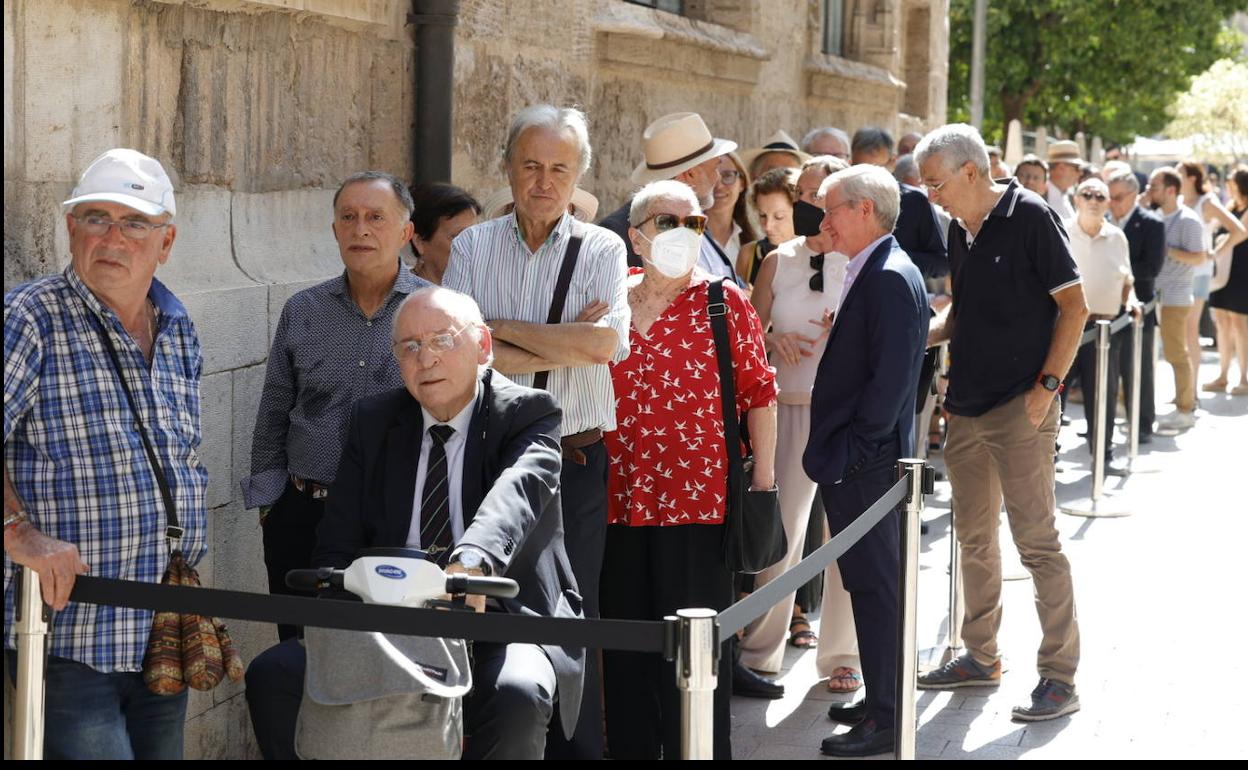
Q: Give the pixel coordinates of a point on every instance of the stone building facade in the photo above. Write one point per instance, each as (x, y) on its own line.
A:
(259, 107)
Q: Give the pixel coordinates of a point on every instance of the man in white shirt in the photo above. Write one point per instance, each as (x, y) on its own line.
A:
(1103, 257)
(1065, 164)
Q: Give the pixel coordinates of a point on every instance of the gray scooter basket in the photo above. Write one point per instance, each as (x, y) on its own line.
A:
(369, 695)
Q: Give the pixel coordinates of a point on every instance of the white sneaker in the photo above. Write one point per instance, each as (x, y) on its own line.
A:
(1177, 421)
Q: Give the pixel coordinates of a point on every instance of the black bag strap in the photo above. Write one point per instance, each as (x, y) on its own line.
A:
(718, 311)
(560, 297)
(173, 530)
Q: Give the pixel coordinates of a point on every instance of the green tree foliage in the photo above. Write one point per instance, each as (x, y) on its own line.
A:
(1106, 67)
(1214, 112)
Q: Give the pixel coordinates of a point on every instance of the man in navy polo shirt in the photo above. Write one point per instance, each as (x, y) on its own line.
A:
(1014, 326)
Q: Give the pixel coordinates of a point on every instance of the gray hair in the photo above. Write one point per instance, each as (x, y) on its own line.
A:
(665, 189)
(956, 144)
(828, 164)
(906, 168)
(461, 307)
(866, 182)
(1127, 178)
(400, 190)
(557, 119)
(816, 134)
(872, 139)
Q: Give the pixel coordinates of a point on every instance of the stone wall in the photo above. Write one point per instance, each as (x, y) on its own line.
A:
(259, 107)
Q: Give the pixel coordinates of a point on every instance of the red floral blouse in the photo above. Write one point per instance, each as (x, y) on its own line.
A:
(668, 460)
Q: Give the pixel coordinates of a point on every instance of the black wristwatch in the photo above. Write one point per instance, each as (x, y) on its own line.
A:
(1050, 383)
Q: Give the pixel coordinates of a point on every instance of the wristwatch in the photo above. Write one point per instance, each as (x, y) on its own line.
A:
(471, 558)
(1050, 383)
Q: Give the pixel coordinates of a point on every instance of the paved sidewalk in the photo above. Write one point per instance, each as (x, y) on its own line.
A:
(1162, 612)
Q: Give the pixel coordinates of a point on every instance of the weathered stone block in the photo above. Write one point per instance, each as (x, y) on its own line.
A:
(283, 237)
(248, 386)
(216, 417)
(232, 326)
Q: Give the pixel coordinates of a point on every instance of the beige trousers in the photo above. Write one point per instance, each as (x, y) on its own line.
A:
(762, 647)
(1001, 455)
(1174, 344)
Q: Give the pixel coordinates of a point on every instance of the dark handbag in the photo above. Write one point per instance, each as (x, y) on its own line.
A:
(182, 649)
(754, 536)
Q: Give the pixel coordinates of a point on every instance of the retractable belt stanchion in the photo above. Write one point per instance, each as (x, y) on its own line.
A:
(697, 659)
(1137, 361)
(31, 626)
(1098, 505)
(921, 480)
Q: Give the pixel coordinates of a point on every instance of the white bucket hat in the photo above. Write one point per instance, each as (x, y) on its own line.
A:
(127, 177)
(676, 143)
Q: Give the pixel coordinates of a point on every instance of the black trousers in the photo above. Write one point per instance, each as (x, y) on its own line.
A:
(505, 715)
(649, 572)
(869, 571)
(1148, 404)
(289, 537)
(583, 489)
(1085, 363)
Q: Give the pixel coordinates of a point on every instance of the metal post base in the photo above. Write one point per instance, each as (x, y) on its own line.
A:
(1108, 506)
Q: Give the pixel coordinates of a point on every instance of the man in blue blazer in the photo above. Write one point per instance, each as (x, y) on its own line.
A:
(862, 423)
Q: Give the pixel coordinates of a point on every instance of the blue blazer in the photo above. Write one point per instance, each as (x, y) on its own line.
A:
(862, 406)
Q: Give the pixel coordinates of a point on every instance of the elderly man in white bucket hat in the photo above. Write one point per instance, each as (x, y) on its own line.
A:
(679, 146)
(100, 362)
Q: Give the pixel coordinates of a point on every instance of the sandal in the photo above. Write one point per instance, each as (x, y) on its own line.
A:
(844, 679)
(800, 635)
(1217, 386)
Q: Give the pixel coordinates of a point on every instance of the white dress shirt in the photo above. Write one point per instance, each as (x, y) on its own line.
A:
(1058, 202)
(461, 423)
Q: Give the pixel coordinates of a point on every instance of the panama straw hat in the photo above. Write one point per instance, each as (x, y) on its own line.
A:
(676, 143)
(1064, 151)
(584, 204)
(778, 142)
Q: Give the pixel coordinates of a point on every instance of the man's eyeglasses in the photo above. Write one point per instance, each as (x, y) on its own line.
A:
(729, 177)
(438, 343)
(1088, 195)
(134, 229)
(665, 222)
(816, 280)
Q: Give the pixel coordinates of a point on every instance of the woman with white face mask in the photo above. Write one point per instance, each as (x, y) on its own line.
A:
(668, 474)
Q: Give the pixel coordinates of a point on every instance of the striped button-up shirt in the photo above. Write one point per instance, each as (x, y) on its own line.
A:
(492, 263)
(76, 458)
(326, 355)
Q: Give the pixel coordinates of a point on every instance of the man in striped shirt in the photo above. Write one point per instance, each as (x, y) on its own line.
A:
(512, 267)
(1185, 251)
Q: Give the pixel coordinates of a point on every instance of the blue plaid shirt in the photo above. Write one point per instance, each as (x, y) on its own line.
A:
(76, 459)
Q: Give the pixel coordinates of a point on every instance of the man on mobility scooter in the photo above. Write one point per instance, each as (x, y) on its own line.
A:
(464, 465)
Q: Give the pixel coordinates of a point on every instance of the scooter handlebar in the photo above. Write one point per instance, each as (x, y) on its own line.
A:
(314, 579)
(500, 587)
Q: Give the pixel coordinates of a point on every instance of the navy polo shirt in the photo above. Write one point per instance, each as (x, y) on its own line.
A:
(1003, 307)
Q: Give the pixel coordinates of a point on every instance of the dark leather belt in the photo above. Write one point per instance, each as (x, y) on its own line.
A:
(572, 445)
(313, 489)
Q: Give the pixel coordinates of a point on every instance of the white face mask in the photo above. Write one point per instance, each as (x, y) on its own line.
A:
(674, 252)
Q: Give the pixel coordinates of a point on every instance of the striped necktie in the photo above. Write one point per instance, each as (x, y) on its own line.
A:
(435, 511)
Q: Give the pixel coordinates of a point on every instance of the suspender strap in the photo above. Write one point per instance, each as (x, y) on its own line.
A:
(560, 297)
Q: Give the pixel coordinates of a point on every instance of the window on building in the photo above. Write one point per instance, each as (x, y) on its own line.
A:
(671, 6)
(833, 26)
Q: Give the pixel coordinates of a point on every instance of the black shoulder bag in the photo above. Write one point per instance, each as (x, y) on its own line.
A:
(753, 530)
(560, 297)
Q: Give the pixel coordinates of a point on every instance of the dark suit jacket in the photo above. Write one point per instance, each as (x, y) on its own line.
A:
(862, 405)
(1146, 242)
(510, 499)
(617, 222)
(918, 233)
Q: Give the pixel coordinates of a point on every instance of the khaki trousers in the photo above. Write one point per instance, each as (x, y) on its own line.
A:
(1001, 455)
(762, 647)
(1174, 343)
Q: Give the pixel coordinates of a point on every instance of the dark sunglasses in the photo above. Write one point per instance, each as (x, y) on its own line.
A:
(816, 280)
(1092, 196)
(665, 222)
